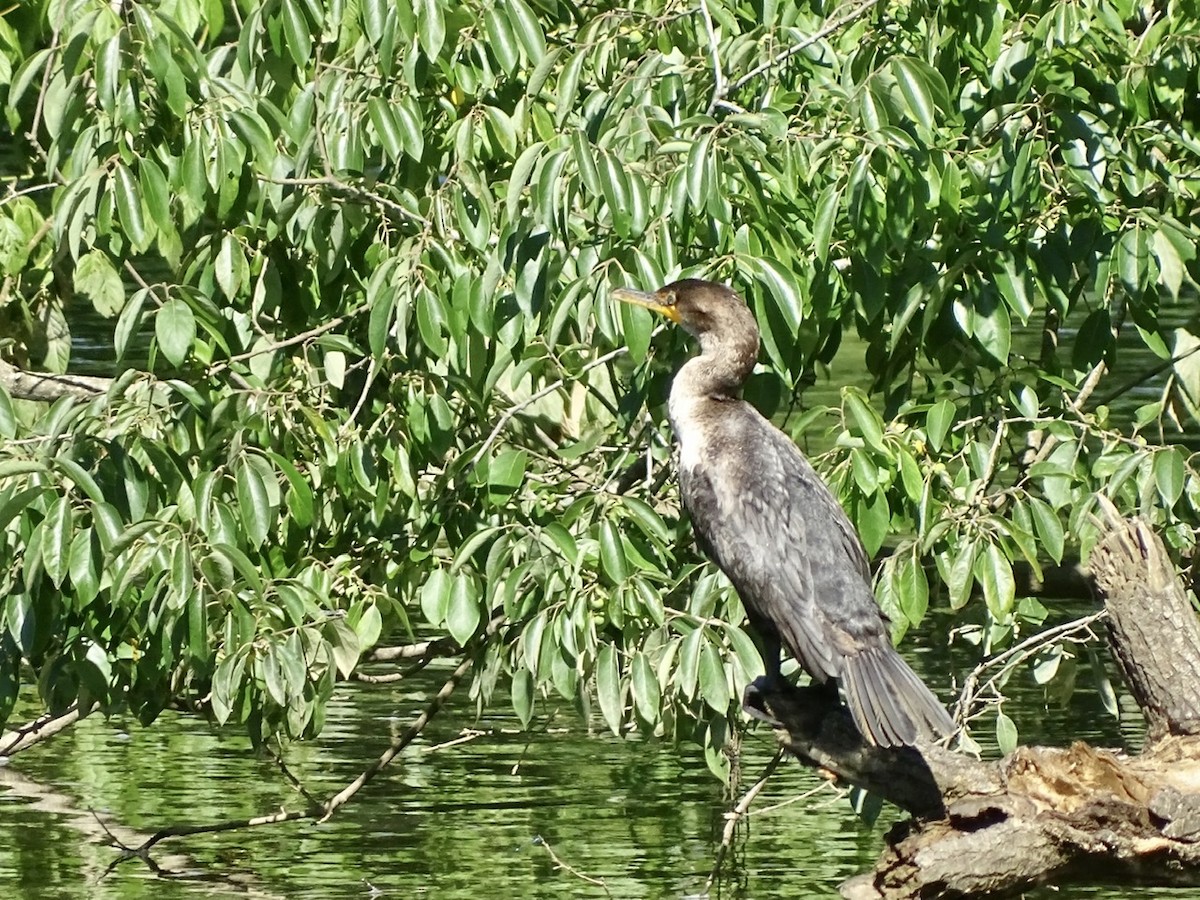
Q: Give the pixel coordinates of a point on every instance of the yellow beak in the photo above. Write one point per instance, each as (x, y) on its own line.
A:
(652, 302)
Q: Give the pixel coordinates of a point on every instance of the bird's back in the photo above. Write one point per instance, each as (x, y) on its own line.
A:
(763, 514)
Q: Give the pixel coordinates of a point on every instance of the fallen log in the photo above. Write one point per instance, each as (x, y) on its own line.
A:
(1042, 814)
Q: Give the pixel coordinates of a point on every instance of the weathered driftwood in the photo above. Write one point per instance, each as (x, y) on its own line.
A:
(1043, 813)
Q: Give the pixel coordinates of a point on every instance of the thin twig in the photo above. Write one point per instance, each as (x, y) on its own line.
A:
(321, 812)
(466, 738)
(353, 191)
(1016, 654)
(514, 410)
(830, 27)
(540, 841)
(718, 75)
(735, 815)
(1089, 385)
(33, 189)
(280, 345)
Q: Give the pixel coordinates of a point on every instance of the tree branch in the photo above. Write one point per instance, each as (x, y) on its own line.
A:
(25, 736)
(829, 28)
(992, 829)
(48, 387)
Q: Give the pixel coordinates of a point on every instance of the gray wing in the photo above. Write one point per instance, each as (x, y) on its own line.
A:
(763, 514)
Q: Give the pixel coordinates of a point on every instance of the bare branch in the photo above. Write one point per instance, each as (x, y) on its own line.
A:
(439, 647)
(514, 410)
(735, 815)
(353, 191)
(540, 841)
(1016, 654)
(718, 75)
(830, 27)
(48, 387)
(41, 728)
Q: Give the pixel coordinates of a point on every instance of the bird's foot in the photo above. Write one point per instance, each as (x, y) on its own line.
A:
(754, 702)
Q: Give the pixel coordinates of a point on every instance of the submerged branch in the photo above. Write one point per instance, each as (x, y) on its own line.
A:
(322, 811)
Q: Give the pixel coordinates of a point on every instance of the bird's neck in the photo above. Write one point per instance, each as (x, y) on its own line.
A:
(718, 373)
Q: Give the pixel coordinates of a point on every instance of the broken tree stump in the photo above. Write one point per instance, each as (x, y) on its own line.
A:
(1043, 814)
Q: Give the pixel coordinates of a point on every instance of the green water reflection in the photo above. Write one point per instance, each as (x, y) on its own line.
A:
(452, 822)
(457, 821)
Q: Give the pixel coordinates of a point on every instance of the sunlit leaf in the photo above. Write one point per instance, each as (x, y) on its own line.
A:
(175, 328)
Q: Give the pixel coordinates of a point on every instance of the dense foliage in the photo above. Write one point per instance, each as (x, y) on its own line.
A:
(355, 256)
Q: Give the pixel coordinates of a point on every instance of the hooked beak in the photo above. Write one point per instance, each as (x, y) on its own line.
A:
(652, 302)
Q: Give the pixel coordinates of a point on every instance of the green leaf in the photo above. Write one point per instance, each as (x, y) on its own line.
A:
(82, 568)
(612, 552)
(97, 279)
(962, 574)
(823, 220)
(937, 423)
(608, 688)
(129, 207)
(175, 329)
(155, 193)
(699, 172)
(782, 285)
(435, 597)
(913, 588)
(1169, 475)
(232, 271)
(506, 471)
(369, 626)
(994, 572)
(242, 563)
(689, 663)
(387, 126)
(646, 696)
(300, 495)
(522, 696)
(57, 532)
(714, 686)
(431, 26)
(298, 38)
(253, 131)
(108, 72)
(918, 85)
(1049, 528)
(501, 40)
(182, 574)
(343, 644)
(1006, 734)
(254, 504)
(462, 613)
(869, 422)
(527, 28)
(383, 308)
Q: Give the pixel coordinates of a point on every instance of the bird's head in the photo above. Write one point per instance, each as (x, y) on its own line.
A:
(702, 308)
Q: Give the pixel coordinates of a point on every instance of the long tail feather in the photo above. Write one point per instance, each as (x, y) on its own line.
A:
(890, 705)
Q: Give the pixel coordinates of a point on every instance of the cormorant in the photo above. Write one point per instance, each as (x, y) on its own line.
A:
(762, 513)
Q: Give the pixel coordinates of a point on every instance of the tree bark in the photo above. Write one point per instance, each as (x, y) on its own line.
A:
(46, 386)
(1077, 813)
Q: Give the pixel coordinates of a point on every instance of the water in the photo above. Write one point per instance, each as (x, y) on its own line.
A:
(454, 818)
(446, 821)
